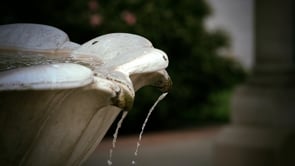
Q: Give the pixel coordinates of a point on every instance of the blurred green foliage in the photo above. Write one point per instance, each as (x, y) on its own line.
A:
(202, 80)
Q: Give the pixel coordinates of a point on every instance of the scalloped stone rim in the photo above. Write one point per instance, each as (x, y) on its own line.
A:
(50, 76)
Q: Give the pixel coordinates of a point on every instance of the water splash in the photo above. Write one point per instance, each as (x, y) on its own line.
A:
(144, 124)
(115, 136)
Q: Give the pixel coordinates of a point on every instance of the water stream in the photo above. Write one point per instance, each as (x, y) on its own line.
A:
(144, 124)
(115, 136)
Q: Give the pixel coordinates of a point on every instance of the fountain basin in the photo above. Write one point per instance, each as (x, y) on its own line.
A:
(59, 98)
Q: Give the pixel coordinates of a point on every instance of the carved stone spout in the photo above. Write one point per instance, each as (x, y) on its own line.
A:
(58, 98)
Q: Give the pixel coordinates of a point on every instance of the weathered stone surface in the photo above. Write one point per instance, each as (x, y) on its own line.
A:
(58, 99)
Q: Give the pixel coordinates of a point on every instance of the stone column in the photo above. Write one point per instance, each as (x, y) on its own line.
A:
(262, 129)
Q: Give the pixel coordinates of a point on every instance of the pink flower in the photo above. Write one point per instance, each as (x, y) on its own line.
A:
(95, 20)
(128, 17)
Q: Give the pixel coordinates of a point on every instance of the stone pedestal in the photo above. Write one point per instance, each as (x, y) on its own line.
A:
(262, 131)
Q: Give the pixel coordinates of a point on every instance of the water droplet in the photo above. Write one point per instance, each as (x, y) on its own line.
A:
(110, 162)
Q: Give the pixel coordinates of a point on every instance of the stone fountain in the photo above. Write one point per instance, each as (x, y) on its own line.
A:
(59, 98)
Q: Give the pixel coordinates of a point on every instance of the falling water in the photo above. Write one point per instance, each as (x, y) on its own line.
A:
(115, 136)
(144, 124)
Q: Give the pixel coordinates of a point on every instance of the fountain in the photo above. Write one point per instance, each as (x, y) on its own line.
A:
(58, 98)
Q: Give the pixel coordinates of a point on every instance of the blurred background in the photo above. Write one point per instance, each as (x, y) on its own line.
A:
(204, 64)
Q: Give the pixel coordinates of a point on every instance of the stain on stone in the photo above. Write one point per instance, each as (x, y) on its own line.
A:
(94, 42)
(164, 58)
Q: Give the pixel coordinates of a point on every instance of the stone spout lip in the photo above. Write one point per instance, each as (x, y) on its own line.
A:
(159, 79)
(58, 98)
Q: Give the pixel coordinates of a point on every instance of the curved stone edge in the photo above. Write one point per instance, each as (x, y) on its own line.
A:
(34, 38)
(46, 77)
(123, 55)
(159, 79)
(124, 52)
(109, 46)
